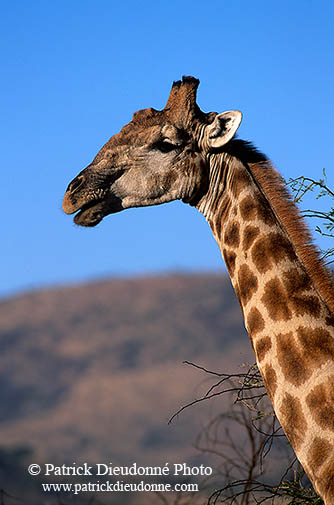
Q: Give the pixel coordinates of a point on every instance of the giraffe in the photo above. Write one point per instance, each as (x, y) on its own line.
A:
(285, 292)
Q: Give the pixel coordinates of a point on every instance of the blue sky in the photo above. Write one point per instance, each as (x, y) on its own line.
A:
(74, 72)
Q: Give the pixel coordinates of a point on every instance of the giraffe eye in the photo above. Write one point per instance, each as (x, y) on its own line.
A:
(165, 147)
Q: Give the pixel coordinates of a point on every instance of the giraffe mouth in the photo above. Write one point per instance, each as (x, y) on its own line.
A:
(92, 213)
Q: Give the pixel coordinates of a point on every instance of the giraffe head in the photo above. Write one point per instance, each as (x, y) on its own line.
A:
(158, 157)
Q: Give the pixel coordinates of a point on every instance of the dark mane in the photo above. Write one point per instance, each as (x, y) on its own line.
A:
(245, 151)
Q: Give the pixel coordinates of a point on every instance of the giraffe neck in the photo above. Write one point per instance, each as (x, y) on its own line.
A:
(290, 325)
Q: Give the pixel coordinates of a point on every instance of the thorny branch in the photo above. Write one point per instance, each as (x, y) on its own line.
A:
(242, 459)
(238, 383)
(303, 185)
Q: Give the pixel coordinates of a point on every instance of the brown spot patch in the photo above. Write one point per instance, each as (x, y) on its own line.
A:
(321, 403)
(325, 481)
(262, 346)
(293, 420)
(280, 247)
(317, 345)
(229, 258)
(276, 300)
(255, 322)
(318, 453)
(299, 357)
(264, 211)
(232, 235)
(305, 305)
(247, 283)
(291, 359)
(270, 250)
(296, 282)
(248, 208)
(257, 207)
(250, 234)
(270, 380)
(260, 255)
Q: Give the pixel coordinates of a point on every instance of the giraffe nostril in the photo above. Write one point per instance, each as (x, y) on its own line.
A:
(76, 184)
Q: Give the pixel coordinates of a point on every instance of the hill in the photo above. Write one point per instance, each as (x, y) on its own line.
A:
(92, 373)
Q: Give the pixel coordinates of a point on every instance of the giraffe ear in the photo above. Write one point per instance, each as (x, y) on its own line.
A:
(223, 128)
